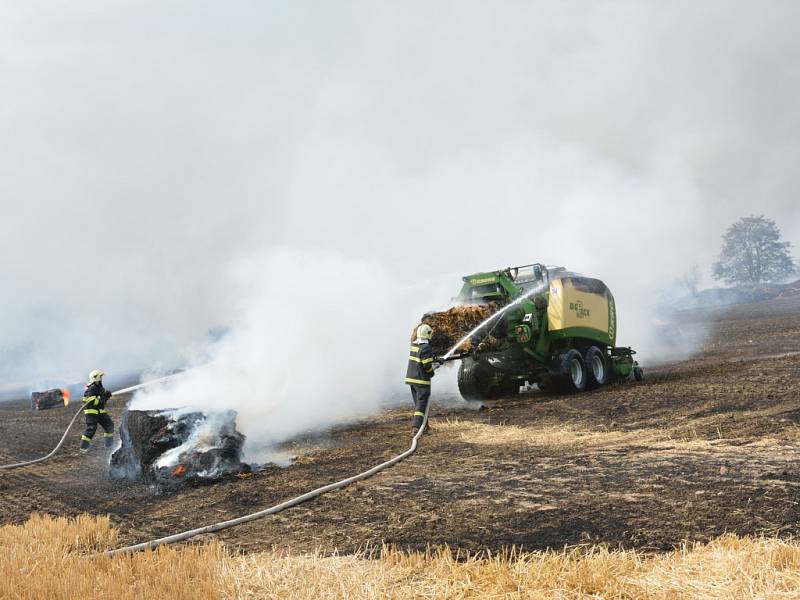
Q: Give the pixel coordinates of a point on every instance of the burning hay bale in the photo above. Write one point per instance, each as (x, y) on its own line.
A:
(450, 326)
(54, 398)
(171, 448)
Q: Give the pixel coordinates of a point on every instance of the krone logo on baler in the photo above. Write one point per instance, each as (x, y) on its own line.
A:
(580, 310)
(482, 280)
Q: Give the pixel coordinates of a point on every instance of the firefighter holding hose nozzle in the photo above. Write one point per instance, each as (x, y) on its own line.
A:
(421, 365)
(94, 411)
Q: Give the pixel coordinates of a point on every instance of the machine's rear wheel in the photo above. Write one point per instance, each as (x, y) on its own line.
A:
(573, 371)
(474, 382)
(596, 367)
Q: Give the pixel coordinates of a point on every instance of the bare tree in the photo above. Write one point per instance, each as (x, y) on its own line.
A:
(752, 252)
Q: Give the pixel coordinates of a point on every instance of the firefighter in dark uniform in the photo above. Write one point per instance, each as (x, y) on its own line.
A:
(421, 365)
(94, 410)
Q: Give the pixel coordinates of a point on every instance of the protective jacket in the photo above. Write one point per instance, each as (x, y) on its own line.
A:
(95, 398)
(420, 364)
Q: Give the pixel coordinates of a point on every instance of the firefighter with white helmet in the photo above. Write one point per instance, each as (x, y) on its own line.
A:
(421, 365)
(94, 410)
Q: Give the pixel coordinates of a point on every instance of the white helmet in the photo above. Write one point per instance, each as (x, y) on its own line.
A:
(424, 332)
(96, 376)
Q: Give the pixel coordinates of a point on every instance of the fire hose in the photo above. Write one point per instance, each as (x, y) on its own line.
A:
(71, 423)
(179, 537)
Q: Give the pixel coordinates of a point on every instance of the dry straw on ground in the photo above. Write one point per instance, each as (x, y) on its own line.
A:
(501, 434)
(42, 559)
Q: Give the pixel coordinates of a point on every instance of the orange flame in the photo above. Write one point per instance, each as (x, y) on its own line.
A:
(65, 393)
(179, 470)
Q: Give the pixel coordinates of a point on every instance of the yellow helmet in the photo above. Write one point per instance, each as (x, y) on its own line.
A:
(96, 376)
(424, 332)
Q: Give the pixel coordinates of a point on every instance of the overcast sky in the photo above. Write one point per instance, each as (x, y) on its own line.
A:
(150, 149)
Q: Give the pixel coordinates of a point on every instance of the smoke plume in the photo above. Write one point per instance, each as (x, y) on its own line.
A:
(317, 341)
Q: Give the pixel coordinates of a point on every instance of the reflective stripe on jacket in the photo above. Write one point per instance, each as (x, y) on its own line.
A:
(95, 398)
(420, 364)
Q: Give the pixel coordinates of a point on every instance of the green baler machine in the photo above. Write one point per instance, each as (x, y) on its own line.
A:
(555, 328)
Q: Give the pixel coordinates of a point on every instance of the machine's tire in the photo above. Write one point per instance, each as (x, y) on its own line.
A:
(638, 374)
(473, 381)
(596, 367)
(573, 371)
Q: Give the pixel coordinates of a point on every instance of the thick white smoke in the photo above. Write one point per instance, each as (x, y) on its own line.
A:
(319, 339)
